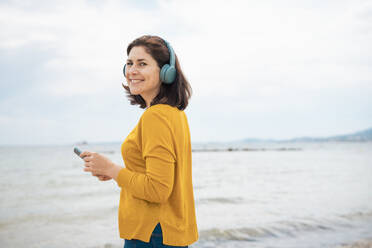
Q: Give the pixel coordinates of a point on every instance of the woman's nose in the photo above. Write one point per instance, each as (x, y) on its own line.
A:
(133, 70)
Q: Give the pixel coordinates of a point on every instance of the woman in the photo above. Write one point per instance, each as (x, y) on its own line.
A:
(156, 206)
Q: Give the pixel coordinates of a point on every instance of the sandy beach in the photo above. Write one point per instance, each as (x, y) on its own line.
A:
(366, 243)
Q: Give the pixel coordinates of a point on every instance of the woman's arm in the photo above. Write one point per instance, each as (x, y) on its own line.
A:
(154, 186)
(156, 139)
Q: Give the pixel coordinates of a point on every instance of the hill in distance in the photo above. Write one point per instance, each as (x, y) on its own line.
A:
(361, 136)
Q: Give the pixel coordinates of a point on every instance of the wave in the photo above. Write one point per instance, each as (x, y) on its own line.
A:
(233, 200)
(356, 216)
(283, 228)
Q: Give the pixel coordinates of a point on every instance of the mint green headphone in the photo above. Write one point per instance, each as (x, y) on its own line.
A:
(168, 72)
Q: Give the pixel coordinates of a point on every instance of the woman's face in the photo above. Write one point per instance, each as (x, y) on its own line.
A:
(142, 73)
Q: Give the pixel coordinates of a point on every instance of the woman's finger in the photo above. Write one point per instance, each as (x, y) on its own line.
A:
(85, 154)
(87, 158)
(103, 177)
(88, 164)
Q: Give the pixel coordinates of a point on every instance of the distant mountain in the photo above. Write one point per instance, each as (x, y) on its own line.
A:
(361, 136)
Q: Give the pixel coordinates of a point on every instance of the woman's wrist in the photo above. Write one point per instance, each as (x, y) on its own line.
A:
(113, 172)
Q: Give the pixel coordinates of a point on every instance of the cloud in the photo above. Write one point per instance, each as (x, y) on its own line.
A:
(253, 62)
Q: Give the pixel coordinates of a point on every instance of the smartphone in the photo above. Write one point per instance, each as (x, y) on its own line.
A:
(77, 151)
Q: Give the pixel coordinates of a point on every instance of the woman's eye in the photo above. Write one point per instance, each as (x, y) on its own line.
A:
(142, 64)
(129, 63)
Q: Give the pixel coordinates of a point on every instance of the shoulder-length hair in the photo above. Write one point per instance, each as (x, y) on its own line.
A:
(176, 94)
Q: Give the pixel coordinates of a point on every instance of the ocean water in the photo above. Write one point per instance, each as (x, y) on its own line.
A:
(317, 195)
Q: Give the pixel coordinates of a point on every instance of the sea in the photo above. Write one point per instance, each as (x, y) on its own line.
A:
(255, 195)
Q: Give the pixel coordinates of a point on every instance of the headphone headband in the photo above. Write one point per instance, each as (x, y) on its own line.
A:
(172, 59)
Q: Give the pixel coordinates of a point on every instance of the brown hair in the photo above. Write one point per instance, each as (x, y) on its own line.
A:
(176, 94)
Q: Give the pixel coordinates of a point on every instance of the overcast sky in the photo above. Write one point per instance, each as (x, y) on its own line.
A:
(258, 69)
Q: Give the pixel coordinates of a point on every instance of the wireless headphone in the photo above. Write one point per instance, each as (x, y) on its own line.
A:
(168, 72)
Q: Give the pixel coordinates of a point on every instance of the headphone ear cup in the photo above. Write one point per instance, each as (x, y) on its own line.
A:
(124, 70)
(168, 74)
(163, 71)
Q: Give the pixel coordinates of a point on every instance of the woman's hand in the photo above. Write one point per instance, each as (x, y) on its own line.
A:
(96, 163)
(102, 178)
(100, 166)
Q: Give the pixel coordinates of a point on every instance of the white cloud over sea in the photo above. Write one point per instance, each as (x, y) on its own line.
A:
(265, 69)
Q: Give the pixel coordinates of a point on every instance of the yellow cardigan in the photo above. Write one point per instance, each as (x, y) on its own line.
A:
(156, 185)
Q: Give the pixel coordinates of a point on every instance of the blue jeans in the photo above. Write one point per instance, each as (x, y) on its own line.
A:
(156, 241)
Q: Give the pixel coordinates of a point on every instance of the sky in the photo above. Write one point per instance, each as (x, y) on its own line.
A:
(258, 69)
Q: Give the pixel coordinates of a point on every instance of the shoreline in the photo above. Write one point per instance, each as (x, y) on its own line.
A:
(232, 149)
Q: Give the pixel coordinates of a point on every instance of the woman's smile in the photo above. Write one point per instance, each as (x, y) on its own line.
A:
(133, 81)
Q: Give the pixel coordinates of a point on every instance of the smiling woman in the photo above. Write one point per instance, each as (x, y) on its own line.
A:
(157, 207)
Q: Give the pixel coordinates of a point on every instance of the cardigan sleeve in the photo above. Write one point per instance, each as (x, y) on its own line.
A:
(157, 145)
